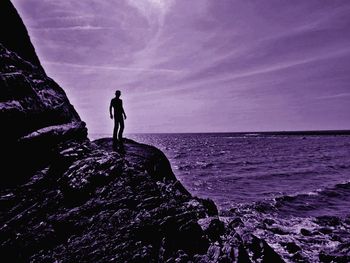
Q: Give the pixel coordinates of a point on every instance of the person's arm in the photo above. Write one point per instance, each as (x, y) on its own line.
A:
(123, 111)
(110, 110)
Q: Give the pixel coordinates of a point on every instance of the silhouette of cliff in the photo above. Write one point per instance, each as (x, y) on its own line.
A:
(64, 198)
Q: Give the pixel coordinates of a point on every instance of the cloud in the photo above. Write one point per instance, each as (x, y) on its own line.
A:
(274, 67)
(335, 96)
(153, 8)
(87, 28)
(104, 68)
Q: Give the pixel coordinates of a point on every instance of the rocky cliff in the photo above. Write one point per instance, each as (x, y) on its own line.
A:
(35, 114)
(64, 198)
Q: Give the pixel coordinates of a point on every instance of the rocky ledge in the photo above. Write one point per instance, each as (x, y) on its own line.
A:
(93, 204)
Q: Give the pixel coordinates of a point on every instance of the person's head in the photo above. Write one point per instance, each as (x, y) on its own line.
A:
(117, 93)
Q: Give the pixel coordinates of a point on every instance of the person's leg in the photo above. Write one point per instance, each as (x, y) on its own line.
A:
(115, 133)
(120, 134)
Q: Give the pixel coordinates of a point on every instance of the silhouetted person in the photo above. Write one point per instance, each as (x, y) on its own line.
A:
(119, 116)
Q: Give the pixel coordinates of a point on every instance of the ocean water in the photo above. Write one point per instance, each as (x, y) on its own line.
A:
(298, 175)
(286, 189)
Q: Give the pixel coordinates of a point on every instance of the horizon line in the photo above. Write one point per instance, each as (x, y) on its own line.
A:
(296, 132)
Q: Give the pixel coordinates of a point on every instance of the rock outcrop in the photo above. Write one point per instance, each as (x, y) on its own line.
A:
(14, 35)
(64, 198)
(35, 114)
(93, 204)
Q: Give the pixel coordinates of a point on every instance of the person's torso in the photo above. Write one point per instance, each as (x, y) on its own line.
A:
(117, 106)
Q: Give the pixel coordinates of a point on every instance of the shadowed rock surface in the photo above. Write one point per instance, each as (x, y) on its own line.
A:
(14, 35)
(35, 114)
(29, 99)
(64, 198)
(93, 204)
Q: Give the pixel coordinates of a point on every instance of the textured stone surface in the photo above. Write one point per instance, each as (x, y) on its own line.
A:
(34, 114)
(93, 204)
(29, 100)
(14, 35)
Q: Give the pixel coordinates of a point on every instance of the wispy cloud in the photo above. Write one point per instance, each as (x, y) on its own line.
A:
(153, 9)
(262, 69)
(336, 96)
(113, 68)
(84, 28)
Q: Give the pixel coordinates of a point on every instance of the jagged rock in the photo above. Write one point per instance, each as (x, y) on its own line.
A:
(236, 222)
(334, 258)
(14, 35)
(215, 229)
(291, 247)
(261, 251)
(93, 200)
(29, 100)
(305, 232)
(268, 221)
(35, 114)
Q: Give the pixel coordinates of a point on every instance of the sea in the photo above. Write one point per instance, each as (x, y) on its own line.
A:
(294, 180)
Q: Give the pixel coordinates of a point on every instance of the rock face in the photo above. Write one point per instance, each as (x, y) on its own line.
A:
(14, 35)
(33, 108)
(64, 198)
(29, 99)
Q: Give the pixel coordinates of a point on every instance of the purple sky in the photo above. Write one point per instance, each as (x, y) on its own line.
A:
(199, 65)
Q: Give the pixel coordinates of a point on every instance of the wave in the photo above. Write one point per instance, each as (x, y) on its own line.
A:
(195, 165)
(327, 191)
(332, 200)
